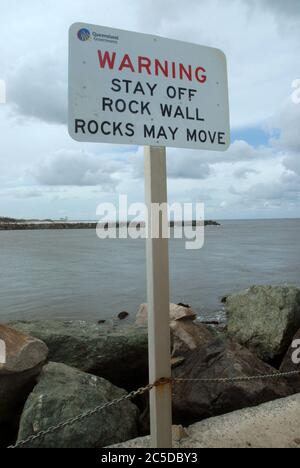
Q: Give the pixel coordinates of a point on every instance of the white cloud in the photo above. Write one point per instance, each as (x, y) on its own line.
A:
(23, 193)
(41, 168)
(77, 169)
(37, 86)
(244, 172)
(289, 8)
(287, 121)
(38, 83)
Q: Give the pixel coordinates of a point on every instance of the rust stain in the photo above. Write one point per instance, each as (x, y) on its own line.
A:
(160, 385)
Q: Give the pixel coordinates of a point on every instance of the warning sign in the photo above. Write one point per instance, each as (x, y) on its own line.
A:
(137, 89)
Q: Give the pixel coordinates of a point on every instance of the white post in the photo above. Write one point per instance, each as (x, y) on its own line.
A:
(158, 302)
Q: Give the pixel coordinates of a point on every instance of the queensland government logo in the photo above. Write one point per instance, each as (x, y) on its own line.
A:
(84, 34)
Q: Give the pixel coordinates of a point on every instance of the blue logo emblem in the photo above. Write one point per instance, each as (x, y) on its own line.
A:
(84, 34)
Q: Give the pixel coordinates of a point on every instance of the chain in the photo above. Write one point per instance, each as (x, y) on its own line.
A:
(141, 391)
(87, 414)
(240, 379)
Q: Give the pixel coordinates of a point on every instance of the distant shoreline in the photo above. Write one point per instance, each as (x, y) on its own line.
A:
(61, 225)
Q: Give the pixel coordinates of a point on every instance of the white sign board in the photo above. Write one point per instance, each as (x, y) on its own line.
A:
(137, 89)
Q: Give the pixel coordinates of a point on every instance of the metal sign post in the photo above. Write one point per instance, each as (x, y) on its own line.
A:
(158, 300)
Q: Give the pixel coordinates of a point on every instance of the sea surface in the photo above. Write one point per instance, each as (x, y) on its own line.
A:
(74, 275)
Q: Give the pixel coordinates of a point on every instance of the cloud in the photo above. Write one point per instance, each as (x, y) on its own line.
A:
(155, 13)
(241, 181)
(287, 140)
(287, 121)
(181, 164)
(239, 151)
(23, 193)
(283, 189)
(281, 192)
(170, 11)
(290, 8)
(292, 163)
(37, 86)
(243, 172)
(75, 168)
(190, 167)
(200, 164)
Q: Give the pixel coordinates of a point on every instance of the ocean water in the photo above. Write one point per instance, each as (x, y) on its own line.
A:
(74, 275)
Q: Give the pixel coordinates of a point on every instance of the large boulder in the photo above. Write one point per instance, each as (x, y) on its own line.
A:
(194, 400)
(291, 363)
(264, 319)
(177, 312)
(63, 393)
(24, 358)
(270, 425)
(118, 353)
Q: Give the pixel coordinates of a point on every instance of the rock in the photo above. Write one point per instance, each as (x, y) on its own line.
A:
(181, 312)
(176, 361)
(218, 331)
(264, 319)
(25, 357)
(214, 323)
(291, 363)
(63, 393)
(177, 312)
(22, 352)
(270, 425)
(123, 315)
(118, 353)
(194, 401)
(179, 433)
(187, 336)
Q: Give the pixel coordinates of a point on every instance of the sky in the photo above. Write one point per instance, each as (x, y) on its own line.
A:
(45, 174)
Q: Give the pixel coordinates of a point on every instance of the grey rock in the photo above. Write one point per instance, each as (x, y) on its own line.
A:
(264, 319)
(118, 353)
(63, 393)
(195, 400)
